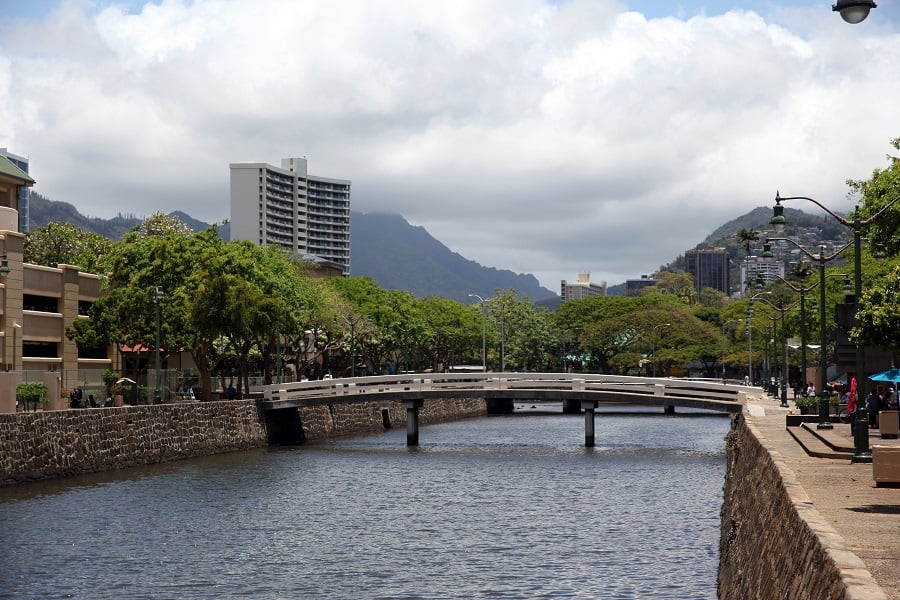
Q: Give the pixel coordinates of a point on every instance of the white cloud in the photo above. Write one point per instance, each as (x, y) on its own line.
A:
(540, 137)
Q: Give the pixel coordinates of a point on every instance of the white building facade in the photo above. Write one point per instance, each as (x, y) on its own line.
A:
(287, 206)
(754, 267)
(581, 289)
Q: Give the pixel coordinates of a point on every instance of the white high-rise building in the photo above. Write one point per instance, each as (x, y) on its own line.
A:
(581, 289)
(287, 206)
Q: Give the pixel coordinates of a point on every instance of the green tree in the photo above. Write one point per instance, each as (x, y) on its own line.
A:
(452, 332)
(31, 394)
(877, 192)
(878, 319)
(64, 244)
(747, 238)
(177, 263)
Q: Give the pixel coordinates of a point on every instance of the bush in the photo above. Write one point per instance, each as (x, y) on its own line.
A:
(806, 401)
(32, 393)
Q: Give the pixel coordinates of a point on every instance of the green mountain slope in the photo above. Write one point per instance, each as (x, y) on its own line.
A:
(384, 247)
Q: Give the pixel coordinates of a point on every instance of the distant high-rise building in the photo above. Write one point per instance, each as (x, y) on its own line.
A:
(633, 287)
(581, 289)
(22, 163)
(710, 267)
(285, 205)
(754, 268)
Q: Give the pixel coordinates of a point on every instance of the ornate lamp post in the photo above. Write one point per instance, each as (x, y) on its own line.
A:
(854, 11)
(483, 332)
(653, 345)
(749, 330)
(821, 258)
(782, 310)
(724, 325)
(802, 290)
(15, 328)
(157, 299)
(352, 323)
(862, 451)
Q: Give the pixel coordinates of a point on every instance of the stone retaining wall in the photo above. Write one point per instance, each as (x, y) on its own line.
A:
(774, 543)
(44, 445)
(322, 422)
(48, 444)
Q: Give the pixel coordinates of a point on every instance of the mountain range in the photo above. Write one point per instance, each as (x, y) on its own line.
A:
(385, 247)
(401, 256)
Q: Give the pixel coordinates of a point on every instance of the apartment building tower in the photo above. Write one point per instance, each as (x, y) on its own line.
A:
(286, 205)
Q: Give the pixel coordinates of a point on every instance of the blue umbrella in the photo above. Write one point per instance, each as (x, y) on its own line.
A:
(892, 375)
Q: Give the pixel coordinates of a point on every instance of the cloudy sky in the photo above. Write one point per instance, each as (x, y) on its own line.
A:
(545, 137)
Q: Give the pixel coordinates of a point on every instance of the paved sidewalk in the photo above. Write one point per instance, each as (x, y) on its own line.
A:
(844, 493)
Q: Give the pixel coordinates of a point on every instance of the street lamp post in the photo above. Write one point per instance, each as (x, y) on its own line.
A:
(352, 323)
(782, 310)
(824, 409)
(483, 332)
(15, 328)
(749, 331)
(653, 346)
(724, 325)
(862, 451)
(157, 299)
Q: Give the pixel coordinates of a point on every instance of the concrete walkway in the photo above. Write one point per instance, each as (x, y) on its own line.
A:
(866, 517)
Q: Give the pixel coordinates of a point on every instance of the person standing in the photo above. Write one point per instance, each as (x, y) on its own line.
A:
(873, 405)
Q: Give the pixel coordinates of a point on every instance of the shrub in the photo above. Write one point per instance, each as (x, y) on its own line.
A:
(32, 393)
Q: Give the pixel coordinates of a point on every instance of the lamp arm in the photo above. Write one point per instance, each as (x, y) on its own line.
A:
(810, 255)
(781, 309)
(842, 220)
(799, 290)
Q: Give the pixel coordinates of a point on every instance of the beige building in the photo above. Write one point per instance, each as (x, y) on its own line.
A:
(581, 289)
(38, 303)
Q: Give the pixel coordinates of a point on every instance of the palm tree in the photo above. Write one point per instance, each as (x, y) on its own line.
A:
(747, 237)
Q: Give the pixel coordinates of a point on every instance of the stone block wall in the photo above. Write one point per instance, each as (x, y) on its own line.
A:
(48, 444)
(322, 422)
(774, 543)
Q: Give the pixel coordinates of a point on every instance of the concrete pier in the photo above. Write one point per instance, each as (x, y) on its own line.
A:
(589, 406)
(412, 420)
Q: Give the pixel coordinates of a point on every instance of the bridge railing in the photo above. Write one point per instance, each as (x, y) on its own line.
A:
(576, 382)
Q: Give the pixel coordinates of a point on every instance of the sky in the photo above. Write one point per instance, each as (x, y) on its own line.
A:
(543, 137)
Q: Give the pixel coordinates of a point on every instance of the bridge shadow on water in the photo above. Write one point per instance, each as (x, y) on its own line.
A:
(612, 409)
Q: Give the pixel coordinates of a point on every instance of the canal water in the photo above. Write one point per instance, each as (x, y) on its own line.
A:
(497, 507)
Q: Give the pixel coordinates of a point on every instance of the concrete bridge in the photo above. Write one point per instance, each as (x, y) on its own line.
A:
(577, 391)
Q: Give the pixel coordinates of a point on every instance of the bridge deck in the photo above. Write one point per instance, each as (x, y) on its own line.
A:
(701, 394)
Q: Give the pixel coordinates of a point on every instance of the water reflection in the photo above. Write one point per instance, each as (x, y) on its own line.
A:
(486, 508)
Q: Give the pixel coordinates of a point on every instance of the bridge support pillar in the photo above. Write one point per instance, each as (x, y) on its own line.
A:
(412, 420)
(589, 406)
(669, 409)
